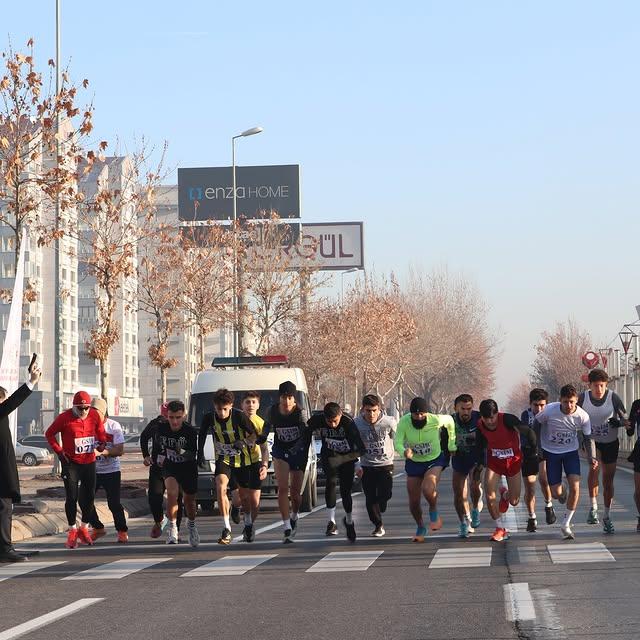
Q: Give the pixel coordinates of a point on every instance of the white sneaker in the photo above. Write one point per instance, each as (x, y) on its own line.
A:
(567, 532)
(164, 523)
(194, 536)
(172, 535)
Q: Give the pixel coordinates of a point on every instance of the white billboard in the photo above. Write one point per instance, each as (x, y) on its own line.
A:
(331, 245)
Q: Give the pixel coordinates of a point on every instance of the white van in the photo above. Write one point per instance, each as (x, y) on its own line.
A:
(262, 374)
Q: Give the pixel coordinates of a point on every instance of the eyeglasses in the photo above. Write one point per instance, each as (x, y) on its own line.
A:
(83, 407)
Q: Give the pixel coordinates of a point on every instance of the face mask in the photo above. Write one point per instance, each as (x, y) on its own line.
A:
(418, 424)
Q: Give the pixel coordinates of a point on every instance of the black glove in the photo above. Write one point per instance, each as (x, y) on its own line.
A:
(631, 430)
(614, 423)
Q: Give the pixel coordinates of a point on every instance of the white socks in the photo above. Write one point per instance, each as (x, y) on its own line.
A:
(594, 503)
(549, 504)
(227, 522)
(332, 513)
(566, 520)
(499, 524)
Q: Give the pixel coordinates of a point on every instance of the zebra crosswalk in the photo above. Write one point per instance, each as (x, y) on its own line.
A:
(455, 557)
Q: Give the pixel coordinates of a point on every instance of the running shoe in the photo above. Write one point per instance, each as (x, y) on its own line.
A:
(567, 532)
(332, 529)
(235, 514)
(194, 536)
(248, 534)
(225, 537)
(532, 525)
(475, 517)
(550, 514)
(172, 534)
(379, 531)
(565, 492)
(499, 535)
(97, 533)
(351, 529)
(123, 537)
(592, 518)
(164, 523)
(156, 530)
(421, 532)
(72, 539)
(464, 530)
(435, 525)
(287, 539)
(84, 536)
(607, 525)
(503, 505)
(294, 526)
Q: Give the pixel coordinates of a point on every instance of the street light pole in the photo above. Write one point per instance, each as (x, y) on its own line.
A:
(238, 341)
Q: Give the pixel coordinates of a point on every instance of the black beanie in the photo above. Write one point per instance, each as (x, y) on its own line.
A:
(419, 405)
(287, 388)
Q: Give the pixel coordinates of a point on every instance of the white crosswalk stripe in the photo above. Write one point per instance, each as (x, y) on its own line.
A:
(345, 561)
(228, 566)
(21, 569)
(575, 553)
(116, 570)
(461, 557)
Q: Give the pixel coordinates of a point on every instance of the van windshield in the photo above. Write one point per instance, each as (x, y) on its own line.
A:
(202, 403)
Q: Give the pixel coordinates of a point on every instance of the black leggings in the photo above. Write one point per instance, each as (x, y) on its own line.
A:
(110, 482)
(155, 493)
(84, 475)
(377, 483)
(344, 473)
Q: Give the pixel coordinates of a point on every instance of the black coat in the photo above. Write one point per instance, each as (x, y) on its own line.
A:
(9, 482)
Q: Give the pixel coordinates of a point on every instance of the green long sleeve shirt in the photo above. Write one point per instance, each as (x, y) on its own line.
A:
(425, 442)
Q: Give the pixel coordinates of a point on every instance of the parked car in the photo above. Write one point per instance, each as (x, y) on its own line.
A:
(132, 443)
(36, 440)
(32, 456)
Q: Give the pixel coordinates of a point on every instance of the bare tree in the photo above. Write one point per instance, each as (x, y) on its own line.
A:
(518, 399)
(558, 357)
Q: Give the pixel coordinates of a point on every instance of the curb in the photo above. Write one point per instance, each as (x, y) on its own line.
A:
(49, 522)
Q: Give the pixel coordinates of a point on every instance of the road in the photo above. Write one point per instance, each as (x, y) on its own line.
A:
(532, 586)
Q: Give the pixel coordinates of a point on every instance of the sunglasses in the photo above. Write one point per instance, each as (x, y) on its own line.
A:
(83, 407)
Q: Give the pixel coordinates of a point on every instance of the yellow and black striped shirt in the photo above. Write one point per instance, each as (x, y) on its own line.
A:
(229, 438)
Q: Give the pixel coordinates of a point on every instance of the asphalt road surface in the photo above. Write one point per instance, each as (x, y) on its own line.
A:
(535, 585)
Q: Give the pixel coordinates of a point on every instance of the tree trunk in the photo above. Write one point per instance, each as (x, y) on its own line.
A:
(163, 384)
(104, 378)
(200, 349)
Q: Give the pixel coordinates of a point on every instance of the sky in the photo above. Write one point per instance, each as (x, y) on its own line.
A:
(498, 139)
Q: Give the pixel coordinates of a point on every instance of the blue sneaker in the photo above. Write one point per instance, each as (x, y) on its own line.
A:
(421, 532)
(464, 530)
(475, 518)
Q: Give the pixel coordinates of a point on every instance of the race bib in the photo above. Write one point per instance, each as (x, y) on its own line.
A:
(375, 449)
(562, 437)
(224, 449)
(502, 453)
(600, 430)
(84, 445)
(421, 449)
(173, 456)
(341, 446)
(288, 434)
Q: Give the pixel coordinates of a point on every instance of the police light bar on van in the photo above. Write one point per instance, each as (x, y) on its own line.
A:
(251, 361)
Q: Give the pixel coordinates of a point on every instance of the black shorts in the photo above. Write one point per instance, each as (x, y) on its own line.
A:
(530, 466)
(185, 474)
(608, 451)
(247, 477)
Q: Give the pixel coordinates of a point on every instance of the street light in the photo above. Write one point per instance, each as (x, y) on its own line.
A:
(236, 303)
(342, 275)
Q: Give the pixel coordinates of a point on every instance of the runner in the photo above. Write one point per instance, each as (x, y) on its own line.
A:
(82, 434)
(499, 434)
(418, 440)
(156, 488)
(557, 426)
(605, 409)
(534, 468)
(177, 445)
(237, 458)
(466, 465)
(634, 427)
(108, 475)
(291, 440)
(341, 447)
(376, 464)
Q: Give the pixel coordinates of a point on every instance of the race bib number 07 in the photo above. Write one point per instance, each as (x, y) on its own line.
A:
(84, 445)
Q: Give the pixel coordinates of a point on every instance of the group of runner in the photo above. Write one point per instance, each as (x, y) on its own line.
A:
(491, 454)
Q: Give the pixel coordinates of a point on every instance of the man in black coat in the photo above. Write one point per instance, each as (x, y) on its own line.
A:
(9, 481)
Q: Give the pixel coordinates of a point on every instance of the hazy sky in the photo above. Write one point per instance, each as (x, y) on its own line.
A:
(498, 138)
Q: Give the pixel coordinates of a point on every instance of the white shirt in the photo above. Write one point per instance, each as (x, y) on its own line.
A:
(115, 435)
(559, 431)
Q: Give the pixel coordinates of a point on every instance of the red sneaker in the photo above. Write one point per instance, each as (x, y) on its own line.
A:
(499, 535)
(72, 539)
(437, 525)
(84, 536)
(98, 533)
(123, 536)
(503, 505)
(156, 530)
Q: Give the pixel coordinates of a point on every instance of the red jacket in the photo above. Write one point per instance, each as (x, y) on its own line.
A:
(79, 436)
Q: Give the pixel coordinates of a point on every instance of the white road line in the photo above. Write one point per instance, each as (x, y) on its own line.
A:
(228, 566)
(116, 570)
(454, 558)
(13, 570)
(47, 618)
(569, 553)
(518, 603)
(345, 561)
